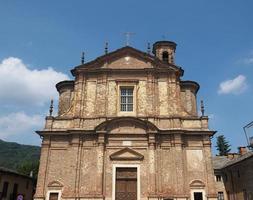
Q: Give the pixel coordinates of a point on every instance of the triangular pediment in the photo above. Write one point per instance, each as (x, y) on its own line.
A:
(55, 184)
(126, 58)
(128, 62)
(126, 154)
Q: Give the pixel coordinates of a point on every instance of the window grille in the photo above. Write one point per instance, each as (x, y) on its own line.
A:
(126, 99)
(220, 196)
(218, 178)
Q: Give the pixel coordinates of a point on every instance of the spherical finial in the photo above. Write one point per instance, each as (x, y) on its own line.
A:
(106, 48)
(148, 49)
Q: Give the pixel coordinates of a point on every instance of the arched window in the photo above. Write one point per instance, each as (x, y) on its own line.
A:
(165, 56)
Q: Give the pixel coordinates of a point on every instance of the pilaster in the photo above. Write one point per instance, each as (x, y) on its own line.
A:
(211, 188)
(100, 162)
(179, 163)
(152, 168)
(44, 158)
(78, 94)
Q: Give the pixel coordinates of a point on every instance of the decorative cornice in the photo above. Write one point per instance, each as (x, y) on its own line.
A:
(125, 51)
(65, 84)
(190, 84)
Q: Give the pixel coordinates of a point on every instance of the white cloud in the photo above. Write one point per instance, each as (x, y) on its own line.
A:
(248, 61)
(19, 123)
(20, 85)
(234, 86)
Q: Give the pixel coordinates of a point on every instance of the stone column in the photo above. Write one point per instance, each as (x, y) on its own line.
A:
(78, 91)
(172, 95)
(101, 94)
(100, 163)
(150, 94)
(76, 146)
(152, 168)
(44, 157)
(179, 163)
(211, 189)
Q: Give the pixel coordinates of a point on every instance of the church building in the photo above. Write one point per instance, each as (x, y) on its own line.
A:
(127, 129)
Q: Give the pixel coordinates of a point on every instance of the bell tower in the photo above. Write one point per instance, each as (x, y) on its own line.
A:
(165, 51)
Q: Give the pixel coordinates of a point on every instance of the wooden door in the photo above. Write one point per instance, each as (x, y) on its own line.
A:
(126, 184)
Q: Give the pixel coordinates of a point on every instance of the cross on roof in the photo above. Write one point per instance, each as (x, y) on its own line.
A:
(128, 34)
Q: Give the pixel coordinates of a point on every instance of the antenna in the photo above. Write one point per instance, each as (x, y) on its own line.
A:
(248, 137)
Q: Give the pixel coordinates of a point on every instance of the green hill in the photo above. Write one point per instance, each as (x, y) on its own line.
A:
(13, 155)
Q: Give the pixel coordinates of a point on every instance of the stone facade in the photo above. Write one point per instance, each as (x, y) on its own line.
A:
(162, 137)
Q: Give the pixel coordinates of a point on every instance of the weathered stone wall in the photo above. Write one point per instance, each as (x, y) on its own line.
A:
(155, 96)
(65, 99)
(189, 103)
(163, 128)
(167, 169)
(171, 54)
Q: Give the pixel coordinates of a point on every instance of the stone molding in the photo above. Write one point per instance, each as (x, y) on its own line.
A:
(197, 184)
(55, 184)
(119, 155)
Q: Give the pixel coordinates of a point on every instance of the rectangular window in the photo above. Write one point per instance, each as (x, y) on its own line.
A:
(5, 189)
(53, 196)
(27, 184)
(218, 178)
(126, 99)
(225, 177)
(245, 195)
(15, 191)
(220, 196)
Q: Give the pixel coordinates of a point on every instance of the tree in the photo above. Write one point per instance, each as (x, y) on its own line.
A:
(29, 166)
(222, 145)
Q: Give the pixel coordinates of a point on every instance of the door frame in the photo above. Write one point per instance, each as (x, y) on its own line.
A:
(53, 191)
(198, 190)
(114, 167)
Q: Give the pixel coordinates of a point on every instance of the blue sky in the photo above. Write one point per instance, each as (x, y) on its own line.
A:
(42, 41)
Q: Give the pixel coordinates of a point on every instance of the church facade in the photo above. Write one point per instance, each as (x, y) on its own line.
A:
(127, 129)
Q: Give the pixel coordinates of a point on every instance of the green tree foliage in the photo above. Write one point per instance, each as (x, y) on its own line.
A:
(222, 145)
(13, 155)
(29, 167)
